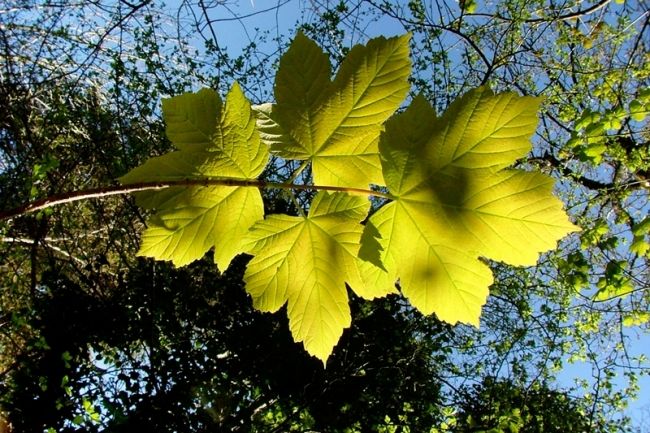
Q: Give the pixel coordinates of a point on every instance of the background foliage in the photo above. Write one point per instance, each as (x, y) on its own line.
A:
(95, 339)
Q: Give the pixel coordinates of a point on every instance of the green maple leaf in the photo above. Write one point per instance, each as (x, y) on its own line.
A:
(215, 141)
(455, 201)
(306, 263)
(336, 125)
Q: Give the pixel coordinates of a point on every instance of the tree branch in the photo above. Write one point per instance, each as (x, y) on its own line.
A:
(550, 160)
(44, 242)
(446, 28)
(69, 197)
(573, 15)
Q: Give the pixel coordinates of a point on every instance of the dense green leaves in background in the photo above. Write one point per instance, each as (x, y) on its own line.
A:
(96, 339)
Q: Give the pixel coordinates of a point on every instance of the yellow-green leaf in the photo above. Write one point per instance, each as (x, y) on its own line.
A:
(197, 218)
(215, 141)
(638, 110)
(616, 289)
(435, 274)
(306, 263)
(636, 318)
(191, 118)
(336, 124)
(457, 202)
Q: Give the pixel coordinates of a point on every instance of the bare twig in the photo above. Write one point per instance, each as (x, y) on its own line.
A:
(447, 28)
(27, 241)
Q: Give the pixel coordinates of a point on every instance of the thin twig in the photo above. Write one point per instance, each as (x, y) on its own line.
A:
(27, 241)
(446, 28)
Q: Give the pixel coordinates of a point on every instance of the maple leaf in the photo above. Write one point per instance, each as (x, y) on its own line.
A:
(336, 124)
(455, 201)
(305, 261)
(215, 141)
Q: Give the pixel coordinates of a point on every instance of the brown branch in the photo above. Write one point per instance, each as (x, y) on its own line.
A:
(446, 28)
(97, 47)
(577, 14)
(252, 14)
(552, 161)
(69, 197)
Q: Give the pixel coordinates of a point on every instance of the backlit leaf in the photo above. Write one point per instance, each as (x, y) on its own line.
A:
(456, 201)
(453, 202)
(214, 142)
(336, 124)
(306, 262)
